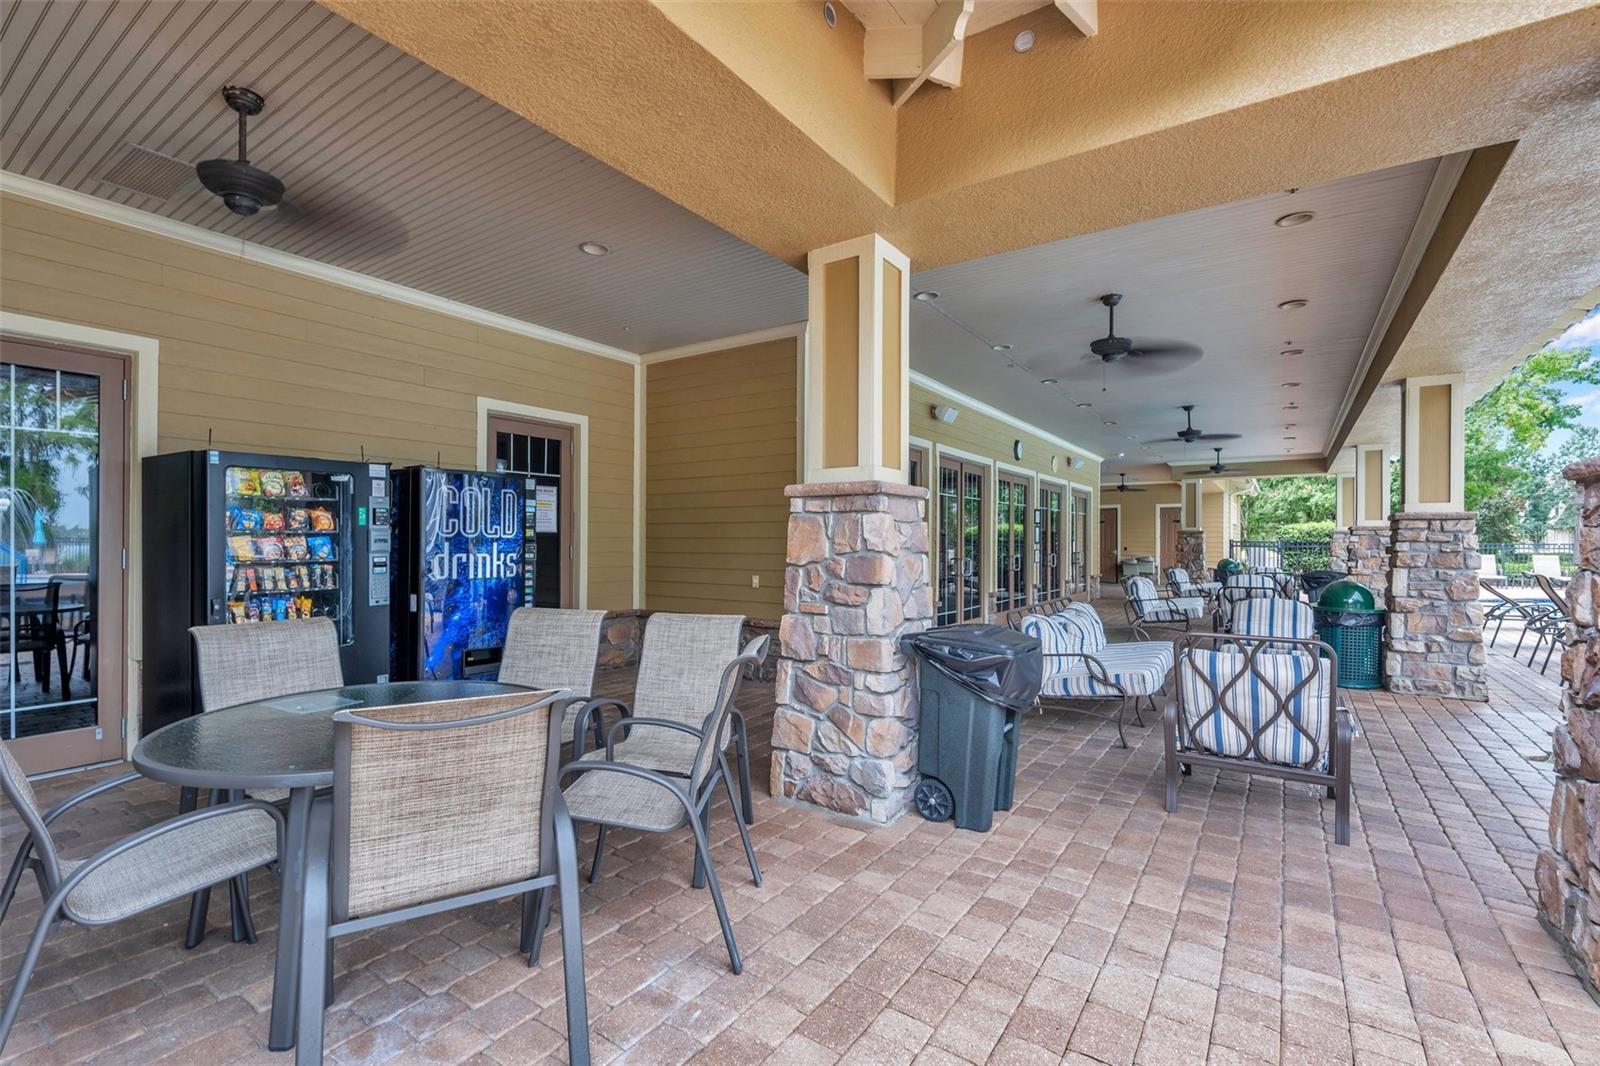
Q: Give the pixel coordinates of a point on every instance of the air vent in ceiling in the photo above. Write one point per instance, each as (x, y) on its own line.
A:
(147, 172)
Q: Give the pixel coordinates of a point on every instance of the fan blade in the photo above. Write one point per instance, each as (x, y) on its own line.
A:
(1162, 360)
(285, 214)
(1219, 436)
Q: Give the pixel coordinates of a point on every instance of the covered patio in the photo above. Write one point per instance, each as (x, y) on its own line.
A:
(1089, 926)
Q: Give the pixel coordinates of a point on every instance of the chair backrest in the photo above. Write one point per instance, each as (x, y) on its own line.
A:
(550, 648)
(19, 791)
(1075, 630)
(1489, 565)
(1275, 616)
(259, 661)
(716, 726)
(1553, 594)
(1258, 579)
(437, 800)
(681, 666)
(1179, 579)
(1141, 589)
(1237, 697)
(1547, 565)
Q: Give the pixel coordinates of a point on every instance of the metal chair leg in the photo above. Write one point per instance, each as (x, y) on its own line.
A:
(741, 753)
(19, 986)
(599, 848)
(703, 850)
(541, 922)
(571, 940)
(697, 878)
(314, 948)
(14, 878)
(744, 834)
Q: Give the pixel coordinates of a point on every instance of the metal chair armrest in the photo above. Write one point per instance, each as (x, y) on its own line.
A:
(632, 722)
(580, 727)
(630, 770)
(89, 793)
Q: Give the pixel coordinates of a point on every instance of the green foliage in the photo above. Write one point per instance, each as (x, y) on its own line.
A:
(1282, 503)
(1321, 529)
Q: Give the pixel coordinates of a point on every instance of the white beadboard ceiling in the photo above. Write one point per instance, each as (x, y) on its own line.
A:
(403, 173)
(1213, 278)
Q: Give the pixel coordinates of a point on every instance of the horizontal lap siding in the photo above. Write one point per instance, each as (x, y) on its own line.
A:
(256, 358)
(1139, 516)
(721, 442)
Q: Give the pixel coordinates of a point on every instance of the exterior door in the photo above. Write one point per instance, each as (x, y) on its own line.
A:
(1078, 543)
(1051, 537)
(63, 453)
(544, 453)
(1011, 529)
(960, 541)
(1169, 519)
(1110, 542)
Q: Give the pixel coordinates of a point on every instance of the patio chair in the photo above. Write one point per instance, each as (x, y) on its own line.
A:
(613, 792)
(1275, 616)
(1550, 625)
(1080, 665)
(1243, 706)
(552, 648)
(241, 664)
(1488, 567)
(436, 807)
(1237, 589)
(1180, 584)
(1546, 566)
(165, 862)
(1523, 610)
(1146, 607)
(680, 671)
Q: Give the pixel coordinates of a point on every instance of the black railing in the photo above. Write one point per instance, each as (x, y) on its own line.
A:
(1516, 559)
(1295, 556)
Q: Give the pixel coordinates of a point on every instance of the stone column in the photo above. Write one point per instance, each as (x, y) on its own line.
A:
(1435, 621)
(844, 735)
(1339, 548)
(1367, 557)
(1192, 554)
(1567, 872)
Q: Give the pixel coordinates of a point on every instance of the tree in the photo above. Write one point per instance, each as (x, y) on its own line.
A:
(1282, 502)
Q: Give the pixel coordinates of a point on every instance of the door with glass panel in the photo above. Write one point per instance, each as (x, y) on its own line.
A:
(1052, 528)
(1011, 542)
(960, 541)
(544, 453)
(63, 453)
(1078, 543)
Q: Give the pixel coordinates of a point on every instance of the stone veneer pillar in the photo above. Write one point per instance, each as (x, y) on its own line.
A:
(1367, 557)
(1191, 554)
(844, 735)
(1567, 872)
(1435, 644)
(1339, 550)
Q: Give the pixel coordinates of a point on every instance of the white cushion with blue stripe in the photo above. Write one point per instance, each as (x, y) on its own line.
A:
(1274, 616)
(1150, 607)
(1204, 689)
(1137, 669)
(1187, 586)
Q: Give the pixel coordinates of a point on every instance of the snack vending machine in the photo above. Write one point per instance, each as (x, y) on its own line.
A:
(458, 554)
(239, 539)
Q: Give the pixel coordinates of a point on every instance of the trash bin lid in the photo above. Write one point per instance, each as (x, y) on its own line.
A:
(1001, 665)
(1347, 594)
(1230, 566)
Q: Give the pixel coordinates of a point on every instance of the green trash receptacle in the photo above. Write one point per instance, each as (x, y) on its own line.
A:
(974, 682)
(1350, 622)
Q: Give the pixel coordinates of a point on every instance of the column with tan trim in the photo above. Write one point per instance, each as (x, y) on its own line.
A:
(1368, 552)
(1191, 531)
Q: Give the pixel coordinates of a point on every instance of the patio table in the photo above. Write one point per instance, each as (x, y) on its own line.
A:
(283, 742)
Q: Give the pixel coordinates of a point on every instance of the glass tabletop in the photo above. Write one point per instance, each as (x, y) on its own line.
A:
(283, 742)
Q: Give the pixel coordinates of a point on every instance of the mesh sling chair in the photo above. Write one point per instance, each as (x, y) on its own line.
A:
(680, 672)
(1524, 611)
(1248, 704)
(613, 792)
(552, 648)
(1237, 589)
(1146, 607)
(165, 862)
(1080, 665)
(241, 664)
(1549, 625)
(438, 806)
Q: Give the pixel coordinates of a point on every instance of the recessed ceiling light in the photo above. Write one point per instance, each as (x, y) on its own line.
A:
(1291, 438)
(1048, 381)
(1290, 407)
(1000, 347)
(593, 248)
(1295, 218)
(1288, 451)
(1111, 421)
(1085, 403)
(1290, 425)
(1293, 351)
(1290, 385)
(1293, 305)
(1023, 41)
(1128, 436)
(925, 295)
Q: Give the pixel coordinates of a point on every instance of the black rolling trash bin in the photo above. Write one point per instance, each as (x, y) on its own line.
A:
(975, 682)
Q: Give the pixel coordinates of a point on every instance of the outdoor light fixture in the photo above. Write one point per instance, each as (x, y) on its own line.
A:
(1000, 347)
(829, 15)
(1293, 351)
(593, 248)
(943, 413)
(1293, 305)
(1085, 403)
(1295, 218)
(925, 295)
(1111, 421)
(1048, 381)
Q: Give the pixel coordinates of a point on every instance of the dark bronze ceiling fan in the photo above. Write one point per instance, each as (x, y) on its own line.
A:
(1188, 434)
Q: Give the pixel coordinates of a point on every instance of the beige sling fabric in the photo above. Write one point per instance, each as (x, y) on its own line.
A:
(551, 648)
(244, 663)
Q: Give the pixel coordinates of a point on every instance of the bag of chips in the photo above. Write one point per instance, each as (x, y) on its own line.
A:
(253, 611)
(295, 482)
(270, 547)
(294, 547)
(299, 520)
(321, 520)
(272, 483)
(321, 548)
(243, 481)
(272, 522)
(280, 608)
(329, 581)
(236, 612)
(241, 549)
(304, 603)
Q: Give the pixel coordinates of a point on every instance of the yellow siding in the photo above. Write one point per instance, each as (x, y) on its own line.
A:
(257, 358)
(1139, 516)
(721, 444)
(1214, 521)
(976, 434)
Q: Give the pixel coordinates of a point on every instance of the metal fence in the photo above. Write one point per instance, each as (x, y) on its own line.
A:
(1296, 556)
(1516, 559)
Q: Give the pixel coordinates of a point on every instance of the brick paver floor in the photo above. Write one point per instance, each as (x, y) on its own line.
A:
(1090, 925)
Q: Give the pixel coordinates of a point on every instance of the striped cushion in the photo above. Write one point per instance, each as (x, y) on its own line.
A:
(1171, 610)
(1085, 623)
(1075, 630)
(1140, 668)
(1206, 685)
(1274, 617)
(1179, 579)
(1252, 581)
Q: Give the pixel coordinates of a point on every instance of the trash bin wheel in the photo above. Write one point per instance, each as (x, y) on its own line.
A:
(934, 801)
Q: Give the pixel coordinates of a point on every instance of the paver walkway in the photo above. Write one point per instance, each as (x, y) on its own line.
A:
(1090, 925)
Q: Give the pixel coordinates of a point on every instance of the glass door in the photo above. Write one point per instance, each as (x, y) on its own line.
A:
(1011, 542)
(1078, 543)
(62, 450)
(1052, 522)
(543, 453)
(960, 540)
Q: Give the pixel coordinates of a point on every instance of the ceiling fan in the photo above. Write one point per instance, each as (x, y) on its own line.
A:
(1123, 486)
(1155, 356)
(244, 189)
(1188, 434)
(1217, 467)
